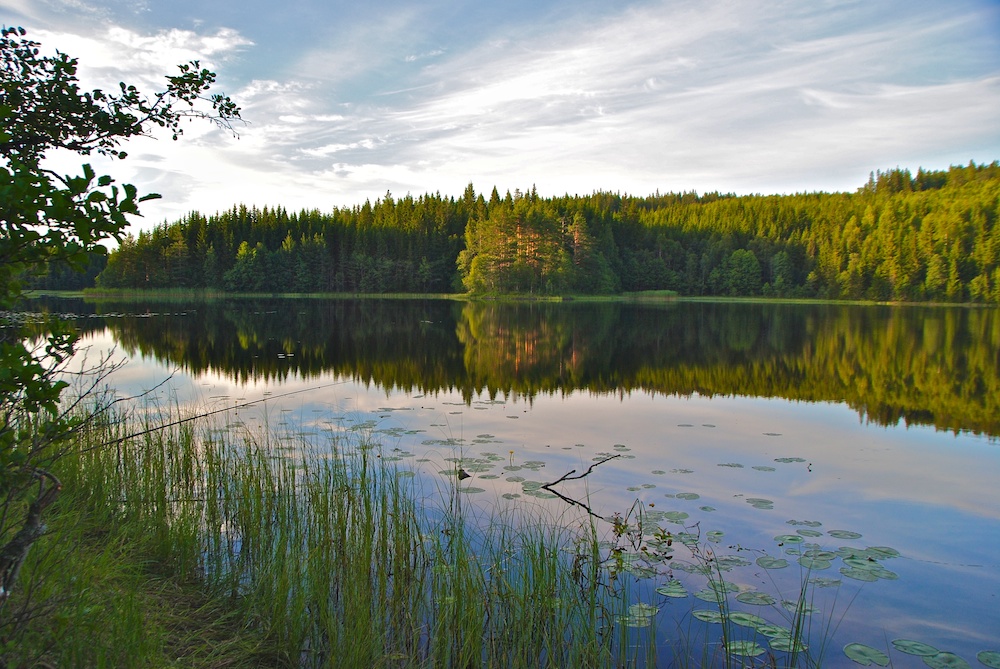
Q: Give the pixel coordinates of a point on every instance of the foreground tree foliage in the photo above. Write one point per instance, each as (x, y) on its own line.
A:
(51, 220)
(931, 237)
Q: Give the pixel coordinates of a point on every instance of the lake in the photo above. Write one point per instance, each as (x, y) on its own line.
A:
(855, 447)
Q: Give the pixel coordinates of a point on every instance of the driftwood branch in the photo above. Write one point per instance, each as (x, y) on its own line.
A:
(568, 476)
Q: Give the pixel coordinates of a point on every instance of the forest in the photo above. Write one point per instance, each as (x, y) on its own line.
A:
(932, 236)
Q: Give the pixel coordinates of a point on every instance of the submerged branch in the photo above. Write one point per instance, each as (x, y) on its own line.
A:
(568, 476)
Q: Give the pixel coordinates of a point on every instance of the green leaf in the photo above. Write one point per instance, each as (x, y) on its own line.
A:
(914, 647)
(946, 660)
(866, 655)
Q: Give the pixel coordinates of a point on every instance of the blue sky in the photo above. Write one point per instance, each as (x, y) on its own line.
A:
(348, 100)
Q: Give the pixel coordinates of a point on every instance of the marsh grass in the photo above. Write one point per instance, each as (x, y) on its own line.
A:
(202, 543)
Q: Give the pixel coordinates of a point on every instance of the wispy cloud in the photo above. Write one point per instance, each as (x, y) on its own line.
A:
(746, 97)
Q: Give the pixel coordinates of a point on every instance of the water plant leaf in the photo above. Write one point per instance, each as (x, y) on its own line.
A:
(882, 552)
(764, 468)
(843, 534)
(809, 533)
(471, 490)
(789, 539)
(707, 508)
(773, 631)
(707, 595)
(715, 536)
(866, 655)
(945, 660)
(673, 588)
(991, 658)
(911, 647)
(825, 582)
(745, 648)
(814, 563)
(734, 465)
(788, 460)
(755, 598)
(768, 562)
(787, 645)
(687, 495)
(746, 619)
(859, 574)
(708, 616)
(760, 503)
(675, 516)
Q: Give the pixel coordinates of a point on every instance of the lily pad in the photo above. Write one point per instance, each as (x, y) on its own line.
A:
(755, 598)
(787, 460)
(745, 648)
(746, 619)
(673, 588)
(687, 495)
(789, 539)
(708, 616)
(866, 655)
(859, 574)
(814, 563)
(787, 645)
(471, 490)
(914, 647)
(640, 615)
(946, 660)
(991, 658)
(773, 631)
(843, 534)
(768, 562)
(763, 468)
(812, 534)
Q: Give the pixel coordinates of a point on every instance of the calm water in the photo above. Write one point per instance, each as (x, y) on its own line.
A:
(757, 421)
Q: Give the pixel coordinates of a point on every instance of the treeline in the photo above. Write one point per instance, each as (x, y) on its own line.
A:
(932, 236)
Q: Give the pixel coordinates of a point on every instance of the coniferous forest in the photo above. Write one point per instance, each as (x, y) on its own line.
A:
(929, 237)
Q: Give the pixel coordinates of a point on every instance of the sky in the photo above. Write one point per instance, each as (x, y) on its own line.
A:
(346, 101)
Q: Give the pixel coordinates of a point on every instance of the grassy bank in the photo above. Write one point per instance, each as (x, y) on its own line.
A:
(193, 543)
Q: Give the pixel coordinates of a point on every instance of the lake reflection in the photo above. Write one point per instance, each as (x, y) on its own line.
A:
(880, 421)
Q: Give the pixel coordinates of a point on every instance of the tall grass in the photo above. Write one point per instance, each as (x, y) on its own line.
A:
(254, 548)
(329, 556)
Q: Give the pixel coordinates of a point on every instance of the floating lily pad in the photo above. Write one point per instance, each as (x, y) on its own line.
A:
(773, 631)
(707, 595)
(789, 539)
(658, 472)
(639, 615)
(866, 655)
(881, 552)
(707, 509)
(687, 495)
(809, 533)
(715, 536)
(946, 660)
(682, 471)
(824, 582)
(673, 588)
(991, 658)
(745, 648)
(734, 465)
(675, 516)
(788, 460)
(914, 647)
(843, 534)
(745, 619)
(814, 563)
(755, 598)
(471, 490)
(859, 574)
(764, 468)
(511, 495)
(727, 562)
(708, 616)
(760, 503)
(787, 645)
(799, 607)
(768, 562)
(806, 523)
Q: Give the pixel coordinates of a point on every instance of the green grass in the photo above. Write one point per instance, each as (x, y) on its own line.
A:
(206, 545)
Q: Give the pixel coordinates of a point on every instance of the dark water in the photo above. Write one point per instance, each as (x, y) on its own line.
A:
(757, 421)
